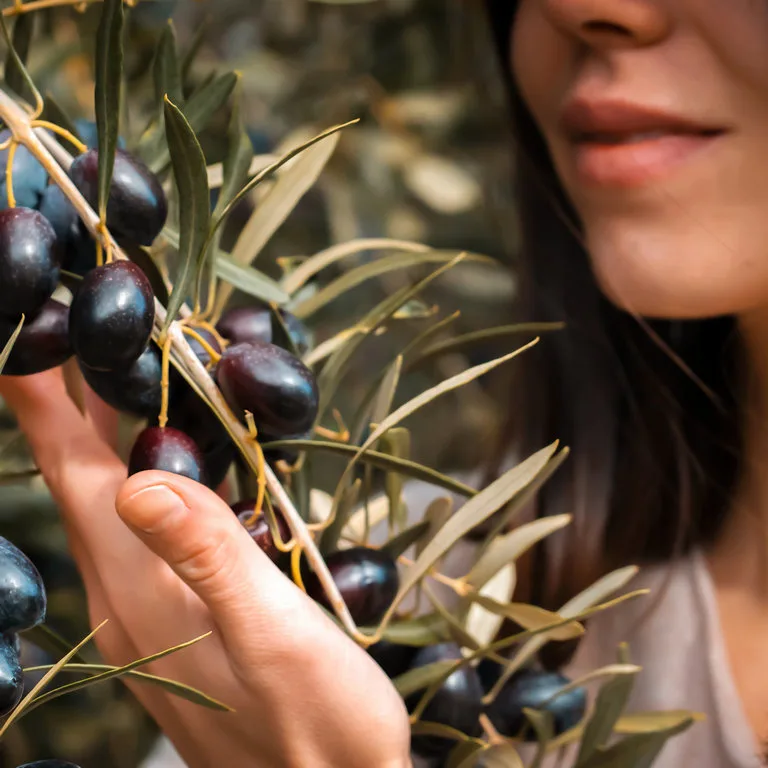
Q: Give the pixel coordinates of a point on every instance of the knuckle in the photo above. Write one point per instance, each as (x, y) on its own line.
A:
(212, 558)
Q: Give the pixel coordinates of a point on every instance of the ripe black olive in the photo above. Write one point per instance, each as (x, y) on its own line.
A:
(531, 688)
(393, 658)
(50, 763)
(276, 387)
(77, 247)
(259, 530)
(29, 261)
(167, 449)
(111, 316)
(458, 703)
(22, 593)
(136, 208)
(11, 677)
(29, 176)
(367, 579)
(255, 323)
(43, 342)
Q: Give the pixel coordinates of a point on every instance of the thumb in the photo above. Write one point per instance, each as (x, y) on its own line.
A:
(193, 530)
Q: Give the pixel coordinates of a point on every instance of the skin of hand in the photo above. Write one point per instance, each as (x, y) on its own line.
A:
(165, 560)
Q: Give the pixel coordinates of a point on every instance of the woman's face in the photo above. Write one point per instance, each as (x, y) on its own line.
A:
(655, 113)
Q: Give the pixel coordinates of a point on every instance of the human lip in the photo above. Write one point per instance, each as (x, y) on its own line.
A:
(622, 144)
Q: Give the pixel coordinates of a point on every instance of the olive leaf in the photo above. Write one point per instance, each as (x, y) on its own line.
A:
(108, 78)
(382, 461)
(29, 698)
(114, 672)
(418, 678)
(400, 544)
(653, 722)
(5, 354)
(543, 724)
(167, 76)
(169, 686)
(50, 641)
(345, 508)
(529, 616)
(509, 547)
(382, 405)
(611, 701)
(496, 756)
(476, 510)
(377, 268)
(421, 631)
(18, 51)
(482, 623)
(464, 754)
(395, 442)
(194, 203)
(188, 59)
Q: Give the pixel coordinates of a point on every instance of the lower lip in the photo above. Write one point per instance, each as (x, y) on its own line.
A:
(635, 164)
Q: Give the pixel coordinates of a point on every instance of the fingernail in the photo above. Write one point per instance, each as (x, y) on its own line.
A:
(150, 507)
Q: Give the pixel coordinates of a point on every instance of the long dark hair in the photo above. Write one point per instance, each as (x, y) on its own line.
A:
(648, 408)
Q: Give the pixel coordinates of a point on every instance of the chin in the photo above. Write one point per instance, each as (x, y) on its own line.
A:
(676, 278)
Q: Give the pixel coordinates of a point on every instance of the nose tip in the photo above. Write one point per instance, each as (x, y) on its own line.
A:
(611, 23)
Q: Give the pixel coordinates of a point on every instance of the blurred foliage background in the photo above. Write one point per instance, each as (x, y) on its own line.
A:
(429, 162)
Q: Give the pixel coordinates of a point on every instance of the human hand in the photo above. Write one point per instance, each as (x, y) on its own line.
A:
(165, 560)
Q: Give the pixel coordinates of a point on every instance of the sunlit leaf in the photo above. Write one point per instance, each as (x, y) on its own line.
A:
(418, 678)
(421, 631)
(108, 78)
(194, 203)
(481, 623)
(652, 722)
(529, 616)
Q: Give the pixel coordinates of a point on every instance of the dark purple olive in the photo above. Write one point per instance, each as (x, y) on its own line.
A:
(29, 176)
(135, 389)
(111, 317)
(276, 387)
(11, 677)
(255, 323)
(489, 672)
(200, 352)
(29, 261)
(43, 342)
(22, 593)
(217, 462)
(531, 689)
(77, 247)
(136, 208)
(50, 763)
(458, 703)
(367, 579)
(259, 530)
(393, 658)
(167, 449)
(288, 455)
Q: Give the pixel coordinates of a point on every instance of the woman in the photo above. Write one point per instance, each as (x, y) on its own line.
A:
(641, 128)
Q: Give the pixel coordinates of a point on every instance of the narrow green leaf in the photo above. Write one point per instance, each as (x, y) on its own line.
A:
(332, 533)
(509, 547)
(166, 72)
(496, 756)
(470, 515)
(419, 632)
(437, 515)
(49, 640)
(5, 354)
(372, 269)
(395, 442)
(543, 723)
(482, 624)
(23, 29)
(249, 280)
(188, 59)
(611, 702)
(170, 686)
(464, 754)
(108, 83)
(53, 112)
(28, 701)
(438, 729)
(380, 460)
(239, 156)
(382, 405)
(112, 672)
(18, 64)
(191, 178)
(399, 545)
(280, 333)
(421, 677)
(653, 722)
(458, 633)
(529, 616)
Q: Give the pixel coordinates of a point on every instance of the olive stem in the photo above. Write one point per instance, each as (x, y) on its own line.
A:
(182, 355)
(9, 174)
(210, 351)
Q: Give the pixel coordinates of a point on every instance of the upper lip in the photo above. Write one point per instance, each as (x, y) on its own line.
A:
(583, 119)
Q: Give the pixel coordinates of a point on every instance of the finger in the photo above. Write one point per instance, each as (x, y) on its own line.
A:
(82, 472)
(197, 534)
(105, 418)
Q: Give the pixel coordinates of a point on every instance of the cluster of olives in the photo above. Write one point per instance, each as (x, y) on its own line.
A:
(22, 606)
(459, 701)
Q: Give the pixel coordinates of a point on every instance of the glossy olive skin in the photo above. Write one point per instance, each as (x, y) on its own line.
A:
(77, 247)
(167, 449)
(29, 261)
(531, 688)
(367, 579)
(458, 703)
(259, 530)
(29, 176)
(136, 389)
(254, 323)
(111, 316)
(136, 208)
(43, 342)
(393, 658)
(11, 677)
(276, 387)
(22, 593)
(51, 763)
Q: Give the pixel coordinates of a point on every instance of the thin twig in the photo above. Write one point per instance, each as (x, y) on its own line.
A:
(182, 356)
